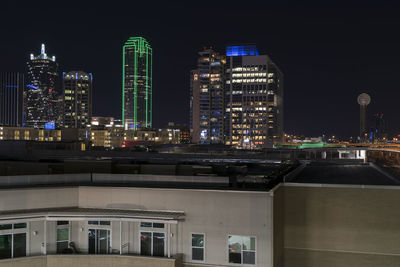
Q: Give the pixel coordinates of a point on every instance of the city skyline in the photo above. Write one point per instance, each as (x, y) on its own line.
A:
(326, 56)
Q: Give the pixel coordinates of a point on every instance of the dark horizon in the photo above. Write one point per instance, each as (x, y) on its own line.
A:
(327, 55)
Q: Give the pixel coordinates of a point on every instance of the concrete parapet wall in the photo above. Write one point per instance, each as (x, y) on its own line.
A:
(313, 258)
(39, 261)
(200, 265)
(89, 260)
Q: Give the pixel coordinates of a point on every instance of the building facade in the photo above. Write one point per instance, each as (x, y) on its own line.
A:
(137, 58)
(106, 132)
(11, 99)
(77, 90)
(207, 98)
(200, 227)
(29, 134)
(40, 96)
(253, 98)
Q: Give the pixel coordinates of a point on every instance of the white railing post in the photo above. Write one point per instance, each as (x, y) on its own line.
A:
(120, 237)
(169, 240)
(45, 237)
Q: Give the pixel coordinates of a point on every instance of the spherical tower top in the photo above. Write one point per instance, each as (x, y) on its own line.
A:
(364, 99)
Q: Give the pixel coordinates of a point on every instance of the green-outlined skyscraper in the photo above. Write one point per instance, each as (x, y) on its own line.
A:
(137, 58)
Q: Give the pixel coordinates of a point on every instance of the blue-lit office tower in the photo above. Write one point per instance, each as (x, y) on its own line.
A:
(40, 92)
(253, 99)
(207, 98)
(11, 99)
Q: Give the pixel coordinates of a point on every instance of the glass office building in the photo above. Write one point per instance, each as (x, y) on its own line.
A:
(77, 89)
(40, 96)
(137, 56)
(253, 99)
(207, 98)
(11, 99)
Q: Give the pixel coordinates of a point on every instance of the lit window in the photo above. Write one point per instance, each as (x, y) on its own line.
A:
(242, 249)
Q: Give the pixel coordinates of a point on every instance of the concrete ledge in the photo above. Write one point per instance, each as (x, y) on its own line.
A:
(76, 260)
(39, 261)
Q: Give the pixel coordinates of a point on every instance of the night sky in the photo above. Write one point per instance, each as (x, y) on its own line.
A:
(328, 55)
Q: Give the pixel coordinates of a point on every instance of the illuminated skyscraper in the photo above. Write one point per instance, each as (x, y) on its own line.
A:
(11, 99)
(77, 89)
(40, 96)
(253, 98)
(137, 56)
(207, 98)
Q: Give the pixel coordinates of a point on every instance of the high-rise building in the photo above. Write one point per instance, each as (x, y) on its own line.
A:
(378, 130)
(137, 58)
(11, 99)
(195, 106)
(59, 110)
(40, 92)
(77, 90)
(253, 98)
(363, 100)
(207, 98)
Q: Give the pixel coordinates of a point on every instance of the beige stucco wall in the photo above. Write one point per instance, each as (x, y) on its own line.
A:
(37, 198)
(218, 214)
(339, 226)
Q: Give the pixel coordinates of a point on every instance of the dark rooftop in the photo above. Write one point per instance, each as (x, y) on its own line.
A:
(349, 174)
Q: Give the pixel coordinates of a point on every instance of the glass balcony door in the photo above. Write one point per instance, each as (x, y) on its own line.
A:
(99, 241)
(5, 246)
(12, 245)
(152, 243)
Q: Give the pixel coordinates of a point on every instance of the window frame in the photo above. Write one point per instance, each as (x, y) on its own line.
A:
(241, 249)
(191, 247)
(98, 223)
(13, 232)
(152, 225)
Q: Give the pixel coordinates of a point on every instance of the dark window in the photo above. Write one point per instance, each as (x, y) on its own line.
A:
(145, 243)
(158, 244)
(158, 225)
(146, 224)
(198, 247)
(5, 246)
(19, 225)
(5, 226)
(19, 245)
